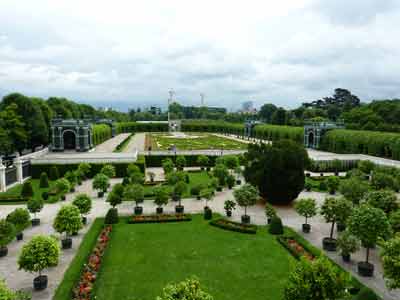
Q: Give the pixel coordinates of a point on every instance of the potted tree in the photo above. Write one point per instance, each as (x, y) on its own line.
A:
(229, 205)
(72, 179)
(115, 197)
(347, 244)
(307, 208)
(238, 172)
(332, 183)
(368, 224)
(39, 253)
(108, 170)
(207, 195)
(383, 199)
(34, 206)
(84, 169)
(203, 161)
(220, 172)
(21, 219)
(333, 210)
(68, 220)
(230, 181)
(179, 189)
(245, 196)
(7, 233)
(100, 183)
(270, 212)
(84, 203)
(390, 253)
(63, 187)
(44, 180)
(168, 166)
(180, 162)
(161, 198)
(135, 192)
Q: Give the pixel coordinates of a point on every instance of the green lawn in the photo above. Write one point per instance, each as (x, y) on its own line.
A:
(143, 258)
(37, 191)
(194, 178)
(200, 141)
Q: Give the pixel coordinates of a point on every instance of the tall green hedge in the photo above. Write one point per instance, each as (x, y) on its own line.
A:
(382, 144)
(123, 127)
(101, 133)
(276, 132)
(153, 161)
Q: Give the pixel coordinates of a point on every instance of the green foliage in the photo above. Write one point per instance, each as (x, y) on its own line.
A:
(368, 224)
(275, 227)
(6, 293)
(109, 170)
(347, 243)
(27, 190)
(381, 180)
(161, 196)
(332, 183)
(39, 253)
(84, 203)
(54, 174)
(84, 169)
(63, 186)
(220, 171)
(101, 133)
(275, 133)
(230, 180)
(390, 254)
(115, 197)
(44, 181)
(336, 210)
(203, 160)
(229, 205)
(175, 177)
(231, 161)
(186, 290)
(71, 177)
(34, 205)
(134, 192)
(316, 280)
(366, 166)
(353, 189)
(137, 178)
(180, 161)
(168, 165)
(270, 211)
(179, 188)
(20, 218)
(68, 220)
(7, 232)
(366, 294)
(306, 207)
(246, 195)
(195, 190)
(111, 216)
(100, 182)
(384, 199)
(206, 194)
(394, 221)
(277, 170)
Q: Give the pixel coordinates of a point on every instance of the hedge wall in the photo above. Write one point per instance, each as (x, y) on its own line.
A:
(382, 144)
(191, 160)
(120, 168)
(101, 133)
(276, 132)
(124, 127)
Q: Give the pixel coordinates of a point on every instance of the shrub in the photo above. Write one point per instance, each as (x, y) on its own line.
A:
(111, 216)
(137, 178)
(276, 226)
(7, 232)
(27, 190)
(382, 180)
(277, 170)
(332, 183)
(44, 181)
(394, 221)
(63, 186)
(390, 254)
(366, 166)
(84, 170)
(126, 181)
(366, 294)
(306, 207)
(34, 205)
(45, 196)
(39, 253)
(134, 192)
(68, 220)
(20, 218)
(8, 294)
(230, 181)
(186, 290)
(247, 195)
(161, 196)
(203, 161)
(270, 211)
(168, 165)
(347, 243)
(100, 182)
(54, 174)
(109, 170)
(231, 161)
(385, 200)
(83, 202)
(180, 162)
(220, 172)
(195, 189)
(72, 179)
(353, 189)
(336, 210)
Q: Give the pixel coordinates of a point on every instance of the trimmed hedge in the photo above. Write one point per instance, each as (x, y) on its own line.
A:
(123, 127)
(332, 165)
(163, 218)
(234, 226)
(12, 198)
(101, 133)
(122, 145)
(277, 132)
(191, 160)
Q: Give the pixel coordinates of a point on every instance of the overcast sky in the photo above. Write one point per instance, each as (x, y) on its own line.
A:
(130, 53)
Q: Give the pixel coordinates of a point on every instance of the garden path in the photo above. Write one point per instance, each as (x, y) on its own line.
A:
(111, 144)
(136, 143)
(19, 279)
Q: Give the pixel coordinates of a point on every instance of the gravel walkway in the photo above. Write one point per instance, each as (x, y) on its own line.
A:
(136, 143)
(21, 280)
(111, 144)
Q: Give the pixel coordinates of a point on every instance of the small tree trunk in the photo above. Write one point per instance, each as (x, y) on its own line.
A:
(306, 220)
(367, 254)
(332, 227)
(245, 210)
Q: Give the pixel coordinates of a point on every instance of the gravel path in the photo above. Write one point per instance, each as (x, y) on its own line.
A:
(21, 280)
(111, 144)
(136, 143)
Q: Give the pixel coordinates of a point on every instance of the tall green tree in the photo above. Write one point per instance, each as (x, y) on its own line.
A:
(14, 132)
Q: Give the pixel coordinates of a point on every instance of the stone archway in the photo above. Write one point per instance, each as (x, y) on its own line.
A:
(69, 139)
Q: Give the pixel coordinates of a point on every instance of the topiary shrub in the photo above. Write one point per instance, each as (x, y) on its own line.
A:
(54, 174)
(34, 206)
(7, 233)
(275, 227)
(45, 196)
(108, 170)
(111, 216)
(68, 220)
(20, 218)
(44, 180)
(126, 181)
(84, 203)
(27, 190)
(366, 294)
(189, 289)
(195, 189)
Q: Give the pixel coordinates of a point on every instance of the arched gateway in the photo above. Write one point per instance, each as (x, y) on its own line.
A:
(314, 131)
(71, 135)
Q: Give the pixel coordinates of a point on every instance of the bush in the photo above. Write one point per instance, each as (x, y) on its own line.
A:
(54, 174)
(45, 196)
(44, 181)
(385, 200)
(353, 189)
(126, 181)
(109, 170)
(180, 162)
(100, 182)
(195, 189)
(347, 243)
(34, 205)
(390, 253)
(83, 202)
(68, 220)
(332, 183)
(39, 253)
(366, 294)
(111, 216)
(7, 232)
(366, 166)
(394, 221)
(27, 190)
(234, 226)
(230, 181)
(72, 178)
(84, 170)
(20, 218)
(382, 180)
(63, 186)
(276, 226)
(186, 290)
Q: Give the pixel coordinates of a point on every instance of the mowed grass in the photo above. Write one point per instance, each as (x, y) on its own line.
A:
(143, 258)
(37, 191)
(200, 141)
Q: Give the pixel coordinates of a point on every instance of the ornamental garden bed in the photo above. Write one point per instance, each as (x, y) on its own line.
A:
(162, 218)
(234, 226)
(295, 247)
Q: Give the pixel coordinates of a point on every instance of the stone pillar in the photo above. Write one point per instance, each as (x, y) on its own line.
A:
(77, 144)
(2, 177)
(18, 166)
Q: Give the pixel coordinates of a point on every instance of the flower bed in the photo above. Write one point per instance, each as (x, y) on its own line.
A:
(84, 287)
(234, 226)
(295, 247)
(162, 218)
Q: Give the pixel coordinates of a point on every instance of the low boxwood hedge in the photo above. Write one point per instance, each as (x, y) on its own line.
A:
(162, 218)
(234, 226)
(12, 198)
(191, 160)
